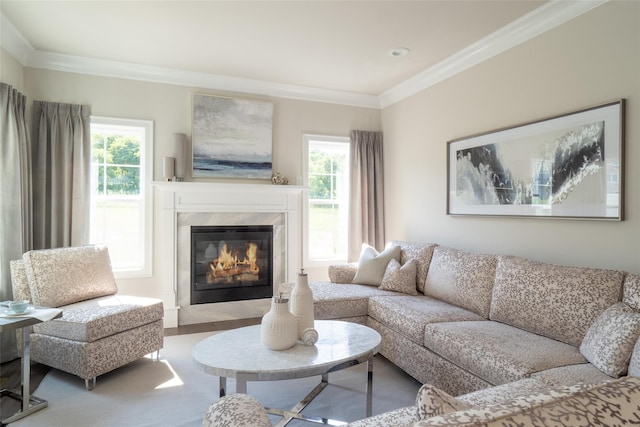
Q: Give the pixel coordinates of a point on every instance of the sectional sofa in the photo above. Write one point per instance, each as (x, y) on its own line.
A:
(472, 321)
(496, 340)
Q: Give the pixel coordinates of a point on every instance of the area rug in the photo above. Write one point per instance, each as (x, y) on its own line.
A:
(172, 392)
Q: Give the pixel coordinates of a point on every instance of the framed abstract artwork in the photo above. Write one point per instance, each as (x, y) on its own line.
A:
(566, 166)
(232, 138)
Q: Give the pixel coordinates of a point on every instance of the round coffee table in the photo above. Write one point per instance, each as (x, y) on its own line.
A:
(239, 354)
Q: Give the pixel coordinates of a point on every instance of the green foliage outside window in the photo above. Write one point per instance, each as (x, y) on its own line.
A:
(118, 157)
(324, 168)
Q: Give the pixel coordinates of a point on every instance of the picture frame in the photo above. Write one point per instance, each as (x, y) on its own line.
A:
(231, 137)
(569, 166)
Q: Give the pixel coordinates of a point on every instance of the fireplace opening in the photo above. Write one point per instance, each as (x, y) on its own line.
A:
(231, 263)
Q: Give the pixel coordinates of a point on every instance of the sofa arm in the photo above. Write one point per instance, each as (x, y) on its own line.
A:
(343, 273)
(236, 410)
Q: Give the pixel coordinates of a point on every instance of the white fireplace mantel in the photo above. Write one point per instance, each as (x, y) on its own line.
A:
(205, 197)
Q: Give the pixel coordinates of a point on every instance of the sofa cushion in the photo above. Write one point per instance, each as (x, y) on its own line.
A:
(462, 278)
(400, 278)
(64, 276)
(343, 273)
(572, 374)
(339, 300)
(496, 352)
(504, 392)
(408, 315)
(422, 253)
(432, 401)
(631, 290)
(610, 340)
(89, 321)
(558, 302)
(372, 265)
(403, 417)
(19, 281)
(614, 403)
(634, 363)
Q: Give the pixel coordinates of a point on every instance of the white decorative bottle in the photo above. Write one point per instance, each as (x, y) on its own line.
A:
(302, 303)
(279, 329)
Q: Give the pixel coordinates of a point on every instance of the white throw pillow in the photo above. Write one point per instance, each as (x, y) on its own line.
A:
(372, 265)
(400, 278)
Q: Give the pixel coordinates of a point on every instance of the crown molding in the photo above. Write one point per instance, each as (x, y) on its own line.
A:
(540, 20)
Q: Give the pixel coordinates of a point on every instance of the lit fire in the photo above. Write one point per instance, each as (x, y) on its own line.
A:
(227, 264)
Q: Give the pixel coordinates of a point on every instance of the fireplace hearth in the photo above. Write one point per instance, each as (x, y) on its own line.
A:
(231, 263)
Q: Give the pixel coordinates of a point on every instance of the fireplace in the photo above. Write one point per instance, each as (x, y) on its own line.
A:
(231, 263)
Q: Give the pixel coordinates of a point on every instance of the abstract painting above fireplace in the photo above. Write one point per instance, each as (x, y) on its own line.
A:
(231, 263)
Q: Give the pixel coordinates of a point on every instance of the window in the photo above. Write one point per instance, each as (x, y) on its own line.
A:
(327, 207)
(121, 152)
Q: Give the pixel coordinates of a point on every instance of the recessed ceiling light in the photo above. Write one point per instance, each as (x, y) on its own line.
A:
(398, 51)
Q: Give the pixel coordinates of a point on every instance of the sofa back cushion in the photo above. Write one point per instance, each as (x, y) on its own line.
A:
(631, 291)
(461, 278)
(63, 276)
(634, 363)
(19, 282)
(422, 253)
(558, 302)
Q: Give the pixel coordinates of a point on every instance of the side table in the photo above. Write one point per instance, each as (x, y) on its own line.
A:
(30, 404)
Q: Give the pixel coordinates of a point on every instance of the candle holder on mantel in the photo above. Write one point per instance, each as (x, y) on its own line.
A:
(279, 330)
(301, 306)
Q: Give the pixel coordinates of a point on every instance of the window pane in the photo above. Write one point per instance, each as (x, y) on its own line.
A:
(123, 180)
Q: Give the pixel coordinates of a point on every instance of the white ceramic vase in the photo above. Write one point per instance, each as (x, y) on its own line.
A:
(301, 303)
(279, 329)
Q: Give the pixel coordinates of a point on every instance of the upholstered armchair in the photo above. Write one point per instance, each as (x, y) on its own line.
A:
(99, 330)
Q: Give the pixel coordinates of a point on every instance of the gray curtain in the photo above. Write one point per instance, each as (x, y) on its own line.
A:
(61, 164)
(366, 217)
(15, 187)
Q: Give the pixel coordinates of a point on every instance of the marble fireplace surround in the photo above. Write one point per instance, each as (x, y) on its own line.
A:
(186, 204)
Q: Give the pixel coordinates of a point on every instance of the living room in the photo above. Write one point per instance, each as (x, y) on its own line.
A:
(588, 60)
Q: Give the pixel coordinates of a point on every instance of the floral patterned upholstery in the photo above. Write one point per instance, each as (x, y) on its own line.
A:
(403, 417)
(610, 340)
(631, 290)
(634, 363)
(572, 374)
(236, 410)
(422, 253)
(339, 300)
(98, 331)
(504, 392)
(496, 352)
(101, 317)
(343, 273)
(614, 403)
(432, 401)
(85, 272)
(558, 302)
(400, 278)
(408, 315)
(462, 278)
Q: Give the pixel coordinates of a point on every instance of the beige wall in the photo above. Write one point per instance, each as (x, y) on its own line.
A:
(170, 109)
(11, 72)
(590, 60)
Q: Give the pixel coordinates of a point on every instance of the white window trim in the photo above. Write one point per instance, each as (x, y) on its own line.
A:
(305, 196)
(146, 174)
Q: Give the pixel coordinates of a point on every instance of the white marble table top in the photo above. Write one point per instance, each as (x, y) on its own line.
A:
(239, 351)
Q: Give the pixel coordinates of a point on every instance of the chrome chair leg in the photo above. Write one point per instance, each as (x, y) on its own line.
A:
(90, 384)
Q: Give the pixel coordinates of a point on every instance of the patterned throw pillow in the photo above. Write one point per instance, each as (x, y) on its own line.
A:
(634, 363)
(372, 265)
(431, 402)
(610, 339)
(400, 278)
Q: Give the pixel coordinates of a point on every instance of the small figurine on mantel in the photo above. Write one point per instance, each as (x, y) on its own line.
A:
(278, 179)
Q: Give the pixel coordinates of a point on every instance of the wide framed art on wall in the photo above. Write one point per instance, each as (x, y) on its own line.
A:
(566, 166)
(232, 138)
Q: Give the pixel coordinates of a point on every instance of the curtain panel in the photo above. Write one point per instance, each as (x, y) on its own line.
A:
(366, 217)
(15, 185)
(61, 164)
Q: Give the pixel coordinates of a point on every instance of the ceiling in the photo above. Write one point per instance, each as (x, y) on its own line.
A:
(328, 47)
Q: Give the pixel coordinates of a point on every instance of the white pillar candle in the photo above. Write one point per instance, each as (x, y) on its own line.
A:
(168, 168)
